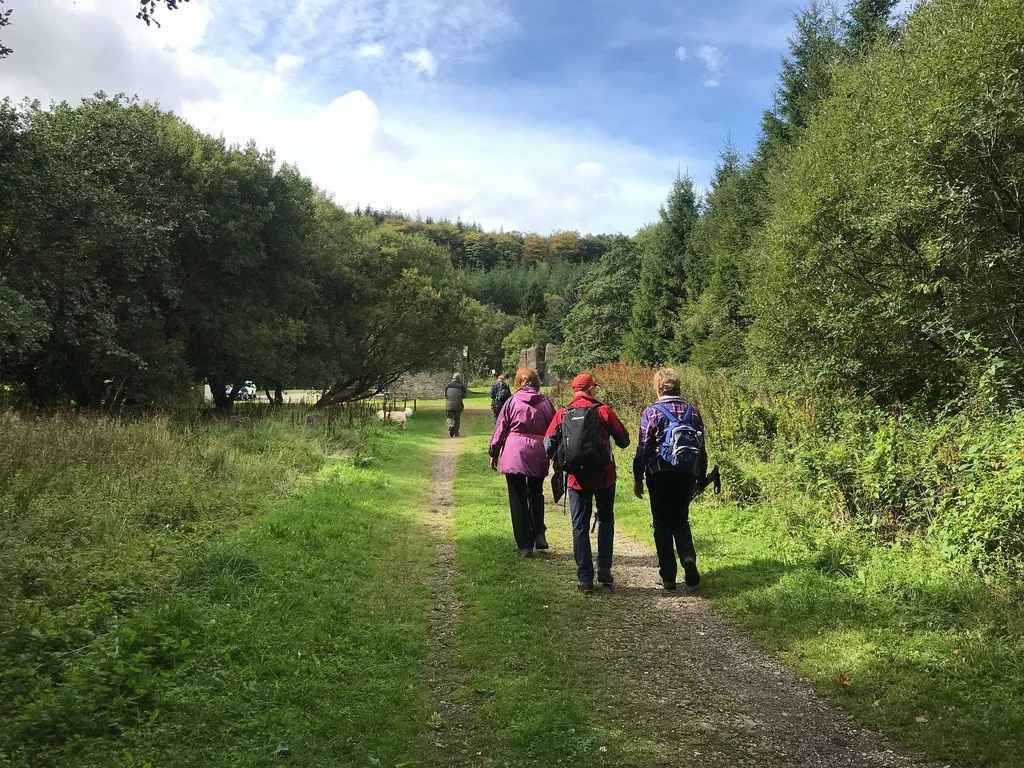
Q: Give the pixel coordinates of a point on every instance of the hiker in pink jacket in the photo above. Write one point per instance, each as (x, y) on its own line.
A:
(519, 440)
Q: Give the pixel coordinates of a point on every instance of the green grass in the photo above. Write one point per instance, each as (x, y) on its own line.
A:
(521, 637)
(893, 634)
(287, 607)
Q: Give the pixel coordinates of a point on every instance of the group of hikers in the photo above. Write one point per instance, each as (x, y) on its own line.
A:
(530, 435)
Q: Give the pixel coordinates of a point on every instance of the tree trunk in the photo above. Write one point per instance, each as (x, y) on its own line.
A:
(277, 399)
(222, 400)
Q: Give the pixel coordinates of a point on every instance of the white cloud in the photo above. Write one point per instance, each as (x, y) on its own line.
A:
(66, 52)
(681, 53)
(287, 62)
(359, 141)
(369, 51)
(423, 60)
(714, 61)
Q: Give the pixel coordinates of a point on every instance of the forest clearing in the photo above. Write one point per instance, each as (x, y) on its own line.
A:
(356, 598)
(237, 527)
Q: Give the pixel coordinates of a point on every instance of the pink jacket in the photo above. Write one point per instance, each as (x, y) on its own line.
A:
(519, 434)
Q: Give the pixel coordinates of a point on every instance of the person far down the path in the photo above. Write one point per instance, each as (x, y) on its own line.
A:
(579, 440)
(671, 454)
(500, 393)
(454, 394)
(519, 440)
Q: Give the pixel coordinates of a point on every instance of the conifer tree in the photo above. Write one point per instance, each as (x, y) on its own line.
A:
(661, 292)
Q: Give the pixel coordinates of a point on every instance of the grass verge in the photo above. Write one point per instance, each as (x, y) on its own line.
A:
(286, 614)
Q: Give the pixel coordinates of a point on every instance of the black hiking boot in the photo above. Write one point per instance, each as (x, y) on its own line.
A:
(585, 586)
(669, 585)
(692, 574)
(451, 432)
(540, 542)
(526, 551)
(605, 577)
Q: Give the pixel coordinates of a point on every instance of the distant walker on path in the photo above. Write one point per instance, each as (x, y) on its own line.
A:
(454, 394)
(500, 392)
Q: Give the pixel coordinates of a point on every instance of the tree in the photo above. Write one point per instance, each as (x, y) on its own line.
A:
(894, 260)
(533, 305)
(147, 9)
(86, 255)
(805, 78)
(661, 292)
(594, 328)
(867, 21)
(716, 317)
(409, 314)
(5, 19)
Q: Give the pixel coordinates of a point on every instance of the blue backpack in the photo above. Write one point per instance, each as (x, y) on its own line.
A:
(683, 443)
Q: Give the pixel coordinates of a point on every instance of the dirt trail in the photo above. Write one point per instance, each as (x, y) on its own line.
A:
(452, 721)
(719, 702)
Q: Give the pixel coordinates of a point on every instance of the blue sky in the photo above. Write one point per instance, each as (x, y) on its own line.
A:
(518, 114)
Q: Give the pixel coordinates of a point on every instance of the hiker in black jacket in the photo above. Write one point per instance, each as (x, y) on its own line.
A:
(454, 394)
(500, 392)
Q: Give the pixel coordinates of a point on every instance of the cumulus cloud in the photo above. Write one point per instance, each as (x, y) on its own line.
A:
(370, 51)
(66, 52)
(681, 53)
(714, 62)
(356, 137)
(423, 60)
(287, 62)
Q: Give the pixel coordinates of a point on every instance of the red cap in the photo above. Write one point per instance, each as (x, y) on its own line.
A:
(583, 381)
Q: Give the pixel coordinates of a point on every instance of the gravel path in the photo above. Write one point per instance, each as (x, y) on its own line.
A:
(714, 700)
(452, 720)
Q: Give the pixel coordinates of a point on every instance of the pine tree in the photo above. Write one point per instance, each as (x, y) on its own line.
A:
(805, 77)
(661, 292)
(867, 22)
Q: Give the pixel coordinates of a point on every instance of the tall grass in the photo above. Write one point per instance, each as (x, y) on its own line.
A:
(99, 519)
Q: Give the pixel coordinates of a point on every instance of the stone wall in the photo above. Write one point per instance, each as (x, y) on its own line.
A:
(426, 385)
(549, 377)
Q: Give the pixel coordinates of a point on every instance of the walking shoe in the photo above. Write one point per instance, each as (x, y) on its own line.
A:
(526, 552)
(451, 432)
(605, 577)
(669, 585)
(540, 542)
(585, 586)
(692, 574)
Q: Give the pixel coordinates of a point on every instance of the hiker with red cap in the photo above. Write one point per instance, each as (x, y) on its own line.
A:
(579, 441)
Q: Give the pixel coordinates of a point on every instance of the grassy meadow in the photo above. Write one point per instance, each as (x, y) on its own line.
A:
(178, 592)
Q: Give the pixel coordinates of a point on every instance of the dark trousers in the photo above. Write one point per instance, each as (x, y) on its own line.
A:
(670, 494)
(526, 500)
(581, 506)
(454, 419)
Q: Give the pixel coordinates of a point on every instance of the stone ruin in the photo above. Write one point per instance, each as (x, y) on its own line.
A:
(542, 362)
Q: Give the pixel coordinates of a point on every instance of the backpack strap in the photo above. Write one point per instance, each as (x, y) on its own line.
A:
(666, 413)
(672, 419)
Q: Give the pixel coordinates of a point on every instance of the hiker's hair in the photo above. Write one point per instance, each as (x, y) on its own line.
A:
(527, 377)
(666, 381)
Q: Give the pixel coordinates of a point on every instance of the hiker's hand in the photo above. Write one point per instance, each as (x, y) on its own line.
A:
(638, 488)
(494, 464)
